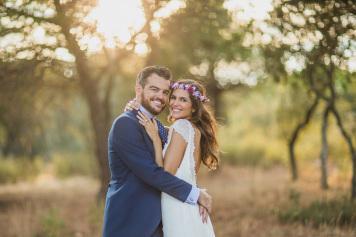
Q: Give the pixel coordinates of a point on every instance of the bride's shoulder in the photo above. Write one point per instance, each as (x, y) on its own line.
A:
(181, 122)
(181, 126)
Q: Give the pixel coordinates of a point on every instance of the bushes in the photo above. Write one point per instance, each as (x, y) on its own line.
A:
(15, 169)
(334, 212)
(254, 150)
(66, 165)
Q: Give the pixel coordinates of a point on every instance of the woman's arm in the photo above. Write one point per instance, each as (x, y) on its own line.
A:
(174, 153)
(175, 150)
(157, 144)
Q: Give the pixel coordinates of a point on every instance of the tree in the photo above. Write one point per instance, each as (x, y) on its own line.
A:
(20, 117)
(320, 36)
(28, 89)
(62, 23)
(194, 40)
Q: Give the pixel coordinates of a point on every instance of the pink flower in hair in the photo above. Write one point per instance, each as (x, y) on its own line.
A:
(191, 89)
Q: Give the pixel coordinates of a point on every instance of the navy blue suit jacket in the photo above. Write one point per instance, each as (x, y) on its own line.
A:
(133, 201)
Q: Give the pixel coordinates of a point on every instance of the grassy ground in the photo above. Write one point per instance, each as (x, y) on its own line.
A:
(246, 204)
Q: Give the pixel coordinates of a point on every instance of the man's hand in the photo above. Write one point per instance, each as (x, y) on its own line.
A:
(205, 200)
(203, 214)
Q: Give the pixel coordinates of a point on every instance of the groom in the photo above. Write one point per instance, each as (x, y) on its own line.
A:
(133, 201)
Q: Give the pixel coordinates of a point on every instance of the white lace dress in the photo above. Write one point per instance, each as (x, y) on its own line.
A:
(182, 219)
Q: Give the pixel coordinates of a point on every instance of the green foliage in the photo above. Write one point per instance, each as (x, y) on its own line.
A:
(292, 100)
(332, 212)
(294, 197)
(66, 165)
(16, 169)
(68, 128)
(252, 151)
(251, 136)
(53, 225)
(36, 118)
(22, 109)
(201, 22)
(322, 23)
(260, 119)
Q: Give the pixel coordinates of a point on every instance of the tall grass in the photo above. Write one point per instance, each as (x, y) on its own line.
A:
(335, 212)
(53, 225)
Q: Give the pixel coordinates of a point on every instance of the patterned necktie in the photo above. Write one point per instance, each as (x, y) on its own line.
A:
(162, 132)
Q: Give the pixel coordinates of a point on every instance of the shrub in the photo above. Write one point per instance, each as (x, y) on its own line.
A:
(248, 157)
(14, 169)
(66, 165)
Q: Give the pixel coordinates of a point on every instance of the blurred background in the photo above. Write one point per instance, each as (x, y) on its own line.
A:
(281, 79)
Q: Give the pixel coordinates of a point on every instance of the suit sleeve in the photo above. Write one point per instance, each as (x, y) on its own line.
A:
(129, 144)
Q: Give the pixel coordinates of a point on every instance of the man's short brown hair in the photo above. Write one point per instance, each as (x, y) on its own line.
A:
(161, 71)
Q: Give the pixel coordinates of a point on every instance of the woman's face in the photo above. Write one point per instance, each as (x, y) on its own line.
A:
(180, 105)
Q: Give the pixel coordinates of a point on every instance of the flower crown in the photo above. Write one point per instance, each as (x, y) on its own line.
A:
(191, 89)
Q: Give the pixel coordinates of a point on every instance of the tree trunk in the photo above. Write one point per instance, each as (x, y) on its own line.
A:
(294, 137)
(348, 140)
(324, 150)
(215, 96)
(98, 118)
(353, 180)
(347, 137)
(89, 87)
(11, 145)
(215, 93)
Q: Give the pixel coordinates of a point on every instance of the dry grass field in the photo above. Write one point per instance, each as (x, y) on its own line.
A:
(246, 203)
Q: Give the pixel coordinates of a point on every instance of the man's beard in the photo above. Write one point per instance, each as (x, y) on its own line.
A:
(145, 102)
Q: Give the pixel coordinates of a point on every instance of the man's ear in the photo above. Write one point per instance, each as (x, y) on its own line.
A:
(138, 91)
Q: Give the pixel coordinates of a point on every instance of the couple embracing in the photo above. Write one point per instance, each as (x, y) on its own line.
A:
(153, 189)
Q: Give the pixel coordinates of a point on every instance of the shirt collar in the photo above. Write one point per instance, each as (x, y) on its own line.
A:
(146, 112)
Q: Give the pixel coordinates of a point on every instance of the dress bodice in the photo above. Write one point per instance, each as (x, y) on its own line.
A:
(175, 213)
(186, 170)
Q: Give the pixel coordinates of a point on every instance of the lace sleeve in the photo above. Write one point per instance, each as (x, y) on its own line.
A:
(181, 126)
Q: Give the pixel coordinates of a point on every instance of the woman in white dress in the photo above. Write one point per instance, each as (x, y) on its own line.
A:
(191, 141)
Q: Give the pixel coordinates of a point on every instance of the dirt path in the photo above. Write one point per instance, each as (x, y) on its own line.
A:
(246, 201)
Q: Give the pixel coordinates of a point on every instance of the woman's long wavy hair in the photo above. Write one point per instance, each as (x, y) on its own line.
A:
(204, 120)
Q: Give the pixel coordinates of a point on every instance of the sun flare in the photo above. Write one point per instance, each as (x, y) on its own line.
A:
(117, 20)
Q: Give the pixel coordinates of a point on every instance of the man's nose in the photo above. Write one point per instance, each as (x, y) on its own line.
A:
(160, 94)
(164, 96)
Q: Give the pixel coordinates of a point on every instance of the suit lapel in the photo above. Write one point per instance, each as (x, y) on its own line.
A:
(146, 138)
(149, 142)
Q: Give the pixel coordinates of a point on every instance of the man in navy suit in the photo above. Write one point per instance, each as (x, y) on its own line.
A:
(133, 201)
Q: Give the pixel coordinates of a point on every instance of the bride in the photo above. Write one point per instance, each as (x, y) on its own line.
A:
(191, 141)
